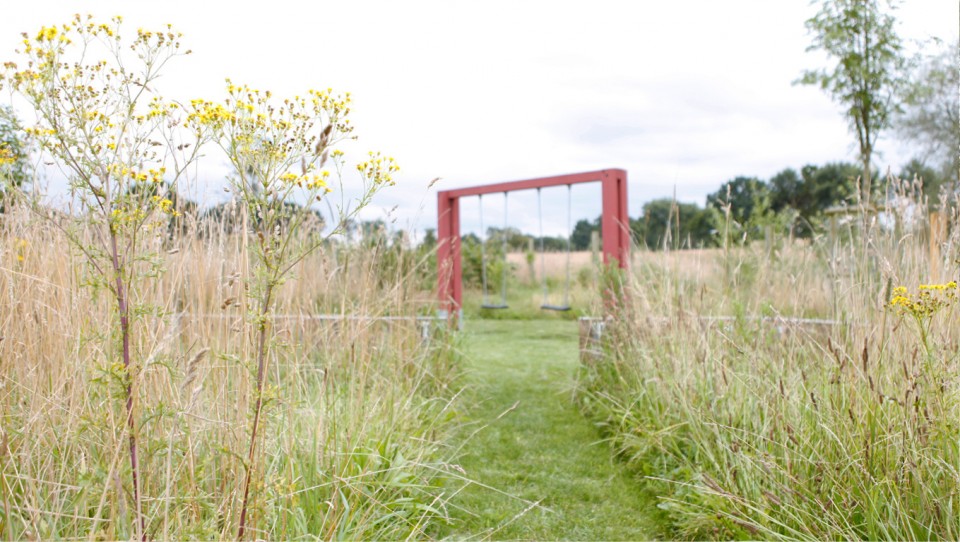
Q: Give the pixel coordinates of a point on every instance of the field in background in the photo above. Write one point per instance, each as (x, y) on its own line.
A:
(554, 263)
(694, 263)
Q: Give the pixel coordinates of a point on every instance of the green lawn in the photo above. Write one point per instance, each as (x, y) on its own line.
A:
(540, 471)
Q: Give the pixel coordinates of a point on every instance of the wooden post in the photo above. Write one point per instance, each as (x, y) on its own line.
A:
(937, 230)
(595, 247)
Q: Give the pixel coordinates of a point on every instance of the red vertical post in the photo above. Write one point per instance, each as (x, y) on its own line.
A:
(448, 252)
(615, 224)
(455, 255)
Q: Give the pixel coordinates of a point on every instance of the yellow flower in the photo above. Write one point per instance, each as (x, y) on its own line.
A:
(6, 156)
(21, 248)
(378, 169)
(46, 34)
(928, 300)
(319, 181)
(165, 206)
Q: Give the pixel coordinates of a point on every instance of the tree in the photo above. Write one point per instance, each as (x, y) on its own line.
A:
(812, 191)
(867, 76)
(582, 231)
(688, 225)
(931, 116)
(826, 186)
(785, 190)
(743, 194)
(429, 239)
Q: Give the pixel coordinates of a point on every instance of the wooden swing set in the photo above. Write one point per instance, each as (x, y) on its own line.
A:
(614, 227)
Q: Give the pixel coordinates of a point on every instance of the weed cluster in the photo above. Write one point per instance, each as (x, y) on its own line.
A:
(844, 430)
(356, 411)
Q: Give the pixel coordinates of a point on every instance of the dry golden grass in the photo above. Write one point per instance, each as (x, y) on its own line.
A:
(346, 396)
(554, 263)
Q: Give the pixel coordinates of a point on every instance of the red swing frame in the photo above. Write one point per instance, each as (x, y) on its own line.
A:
(614, 225)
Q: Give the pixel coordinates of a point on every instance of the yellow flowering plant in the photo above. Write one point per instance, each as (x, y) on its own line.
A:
(20, 247)
(922, 305)
(15, 150)
(284, 160)
(122, 148)
(6, 155)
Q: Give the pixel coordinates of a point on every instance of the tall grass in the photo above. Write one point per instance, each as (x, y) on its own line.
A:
(749, 428)
(354, 419)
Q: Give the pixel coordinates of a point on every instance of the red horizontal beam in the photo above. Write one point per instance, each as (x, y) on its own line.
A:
(541, 182)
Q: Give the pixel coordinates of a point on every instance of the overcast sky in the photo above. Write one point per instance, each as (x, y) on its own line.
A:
(683, 94)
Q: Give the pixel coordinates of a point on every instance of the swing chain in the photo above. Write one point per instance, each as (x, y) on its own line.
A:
(566, 292)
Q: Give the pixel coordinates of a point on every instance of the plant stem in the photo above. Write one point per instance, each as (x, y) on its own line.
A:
(123, 309)
(261, 371)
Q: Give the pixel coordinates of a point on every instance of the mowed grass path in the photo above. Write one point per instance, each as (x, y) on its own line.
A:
(529, 444)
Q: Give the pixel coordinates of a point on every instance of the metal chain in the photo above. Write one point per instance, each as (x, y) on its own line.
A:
(483, 252)
(566, 292)
(543, 272)
(503, 281)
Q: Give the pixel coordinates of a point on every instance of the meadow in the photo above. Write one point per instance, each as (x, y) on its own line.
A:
(724, 413)
(356, 416)
(757, 426)
(250, 372)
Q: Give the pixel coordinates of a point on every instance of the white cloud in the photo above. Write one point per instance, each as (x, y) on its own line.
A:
(683, 95)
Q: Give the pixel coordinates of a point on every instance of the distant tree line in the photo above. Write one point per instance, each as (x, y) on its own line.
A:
(791, 200)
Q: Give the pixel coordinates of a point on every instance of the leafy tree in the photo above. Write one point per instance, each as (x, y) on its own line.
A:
(516, 240)
(429, 241)
(655, 222)
(786, 190)
(826, 186)
(698, 226)
(474, 254)
(867, 76)
(743, 194)
(582, 232)
(688, 225)
(550, 244)
(812, 191)
(823, 187)
(931, 117)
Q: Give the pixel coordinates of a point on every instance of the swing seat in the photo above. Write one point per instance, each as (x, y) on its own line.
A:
(559, 308)
(492, 306)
